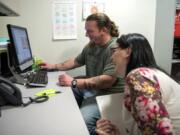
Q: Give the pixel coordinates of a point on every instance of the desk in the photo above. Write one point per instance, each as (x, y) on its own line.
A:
(60, 115)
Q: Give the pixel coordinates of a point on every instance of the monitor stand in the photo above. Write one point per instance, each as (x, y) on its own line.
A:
(16, 78)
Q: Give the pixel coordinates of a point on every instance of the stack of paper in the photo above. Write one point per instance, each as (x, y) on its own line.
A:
(4, 41)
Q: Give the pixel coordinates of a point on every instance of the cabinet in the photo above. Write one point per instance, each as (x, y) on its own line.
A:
(175, 72)
(3, 61)
(9, 7)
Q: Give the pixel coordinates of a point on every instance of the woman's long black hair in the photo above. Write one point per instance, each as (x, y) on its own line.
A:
(141, 55)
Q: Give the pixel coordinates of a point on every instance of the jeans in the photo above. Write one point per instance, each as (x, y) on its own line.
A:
(88, 106)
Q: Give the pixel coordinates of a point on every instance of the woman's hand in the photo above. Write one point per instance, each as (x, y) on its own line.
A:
(105, 127)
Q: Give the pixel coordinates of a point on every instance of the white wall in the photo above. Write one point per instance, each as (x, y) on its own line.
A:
(130, 15)
(134, 16)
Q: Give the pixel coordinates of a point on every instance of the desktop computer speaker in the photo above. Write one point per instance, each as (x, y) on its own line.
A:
(4, 68)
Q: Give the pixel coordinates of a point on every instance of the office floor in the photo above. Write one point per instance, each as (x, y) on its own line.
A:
(175, 72)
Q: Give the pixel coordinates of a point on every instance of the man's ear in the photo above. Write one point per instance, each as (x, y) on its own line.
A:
(104, 29)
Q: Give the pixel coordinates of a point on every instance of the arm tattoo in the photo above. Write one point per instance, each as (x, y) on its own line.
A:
(93, 83)
(64, 66)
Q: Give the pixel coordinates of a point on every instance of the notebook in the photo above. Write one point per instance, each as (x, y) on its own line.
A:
(110, 107)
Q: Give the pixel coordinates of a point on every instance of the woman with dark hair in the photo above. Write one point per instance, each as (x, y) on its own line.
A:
(151, 98)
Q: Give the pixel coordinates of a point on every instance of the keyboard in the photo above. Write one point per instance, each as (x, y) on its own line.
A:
(37, 79)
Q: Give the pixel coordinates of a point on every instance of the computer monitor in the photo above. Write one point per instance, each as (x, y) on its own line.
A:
(20, 54)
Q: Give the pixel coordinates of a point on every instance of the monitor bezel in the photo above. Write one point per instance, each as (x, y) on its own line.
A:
(19, 66)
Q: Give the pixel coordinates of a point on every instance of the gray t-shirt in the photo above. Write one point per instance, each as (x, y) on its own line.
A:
(97, 60)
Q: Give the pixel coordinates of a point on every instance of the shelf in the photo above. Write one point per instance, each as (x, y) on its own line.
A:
(176, 61)
(176, 37)
(177, 5)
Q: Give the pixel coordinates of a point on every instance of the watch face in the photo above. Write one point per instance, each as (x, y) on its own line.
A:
(74, 83)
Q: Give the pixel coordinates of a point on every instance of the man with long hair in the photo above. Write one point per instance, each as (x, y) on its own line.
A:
(100, 77)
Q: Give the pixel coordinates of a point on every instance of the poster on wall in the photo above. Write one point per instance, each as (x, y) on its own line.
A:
(93, 6)
(64, 19)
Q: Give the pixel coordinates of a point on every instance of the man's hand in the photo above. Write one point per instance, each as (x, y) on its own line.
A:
(48, 66)
(65, 80)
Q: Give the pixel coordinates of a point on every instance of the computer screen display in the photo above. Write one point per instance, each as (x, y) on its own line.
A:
(20, 50)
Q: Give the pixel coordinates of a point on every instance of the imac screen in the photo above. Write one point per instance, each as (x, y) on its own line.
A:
(20, 47)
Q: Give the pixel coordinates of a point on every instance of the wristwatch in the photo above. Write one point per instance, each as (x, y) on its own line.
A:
(74, 83)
